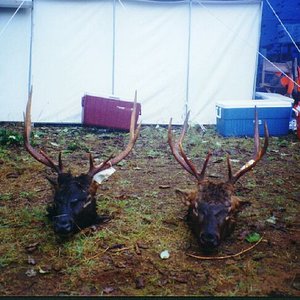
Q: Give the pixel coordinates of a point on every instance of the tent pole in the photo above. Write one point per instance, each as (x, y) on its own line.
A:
(257, 53)
(114, 49)
(30, 49)
(188, 61)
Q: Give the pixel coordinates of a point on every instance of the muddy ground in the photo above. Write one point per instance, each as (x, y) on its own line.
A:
(122, 257)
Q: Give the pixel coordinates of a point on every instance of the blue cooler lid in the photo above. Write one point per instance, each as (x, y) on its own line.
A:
(252, 103)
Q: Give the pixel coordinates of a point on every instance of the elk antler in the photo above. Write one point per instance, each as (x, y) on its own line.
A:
(258, 154)
(180, 156)
(38, 155)
(113, 161)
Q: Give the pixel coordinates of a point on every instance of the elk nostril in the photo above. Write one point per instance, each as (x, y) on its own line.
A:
(209, 239)
(63, 227)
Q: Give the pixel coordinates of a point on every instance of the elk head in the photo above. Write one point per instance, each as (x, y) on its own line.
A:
(74, 205)
(212, 206)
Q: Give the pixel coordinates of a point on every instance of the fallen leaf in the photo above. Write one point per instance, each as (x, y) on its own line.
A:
(12, 175)
(32, 247)
(137, 249)
(164, 186)
(234, 160)
(30, 273)
(108, 290)
(45, 270)
(180, 279)
(31, 260)
(142, 245)
(271, 220)
(214, 176)
(54, 144)
(253, 237)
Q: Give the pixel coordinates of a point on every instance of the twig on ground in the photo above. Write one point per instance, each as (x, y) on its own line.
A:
(226, 256)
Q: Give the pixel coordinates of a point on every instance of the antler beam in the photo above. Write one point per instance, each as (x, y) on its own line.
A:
(179, 154)
(134, 133)
(40, 156)
(258, 153)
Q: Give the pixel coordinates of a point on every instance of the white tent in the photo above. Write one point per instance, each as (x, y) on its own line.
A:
(178, 55)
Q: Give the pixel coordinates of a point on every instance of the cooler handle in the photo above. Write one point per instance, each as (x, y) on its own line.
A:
(259, 122)
(219, 112)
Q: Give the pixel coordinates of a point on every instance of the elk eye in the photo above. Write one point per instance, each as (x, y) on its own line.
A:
(81, 186)
(202, 211)
(221, 213)
(199, 213)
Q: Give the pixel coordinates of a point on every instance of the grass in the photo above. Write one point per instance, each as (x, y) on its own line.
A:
(143, 214)
(8, 257)
(6, 196)
(27, 195)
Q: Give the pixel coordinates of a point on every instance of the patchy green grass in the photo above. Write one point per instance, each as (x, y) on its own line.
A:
(121, 257)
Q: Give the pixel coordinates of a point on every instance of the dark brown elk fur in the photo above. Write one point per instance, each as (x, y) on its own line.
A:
(74, 204)
(213, 206)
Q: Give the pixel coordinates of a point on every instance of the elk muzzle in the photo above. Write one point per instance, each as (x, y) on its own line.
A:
(62, 224)
(209, 222)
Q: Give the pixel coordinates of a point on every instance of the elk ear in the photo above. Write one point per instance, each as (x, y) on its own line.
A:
(93, 188)
(188, 197)
(238, 204)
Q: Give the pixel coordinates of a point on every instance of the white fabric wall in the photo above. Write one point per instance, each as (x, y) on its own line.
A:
(14, 63)
(224, 42)
(73, 54)
(151, 56)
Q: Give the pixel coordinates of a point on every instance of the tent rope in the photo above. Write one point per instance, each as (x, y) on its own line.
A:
(249, 44)
(10, 19)
(274, 12)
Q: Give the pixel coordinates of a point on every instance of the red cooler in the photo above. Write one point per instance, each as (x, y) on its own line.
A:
(108, 112)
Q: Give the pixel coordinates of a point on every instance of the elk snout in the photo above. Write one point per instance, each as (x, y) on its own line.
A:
(209, 240)
(63, 225)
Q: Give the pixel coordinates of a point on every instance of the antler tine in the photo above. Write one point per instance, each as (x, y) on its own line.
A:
(183, 155)
(188, 161)
(202, 173)
(258, 152)
(39, 156)
(200, 176)
(184, 128)
(133, 135)
(94, 169)
(177, 149)
(229, 166)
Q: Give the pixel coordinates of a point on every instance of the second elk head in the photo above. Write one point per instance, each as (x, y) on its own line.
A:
(74, 204)
(213, 206)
